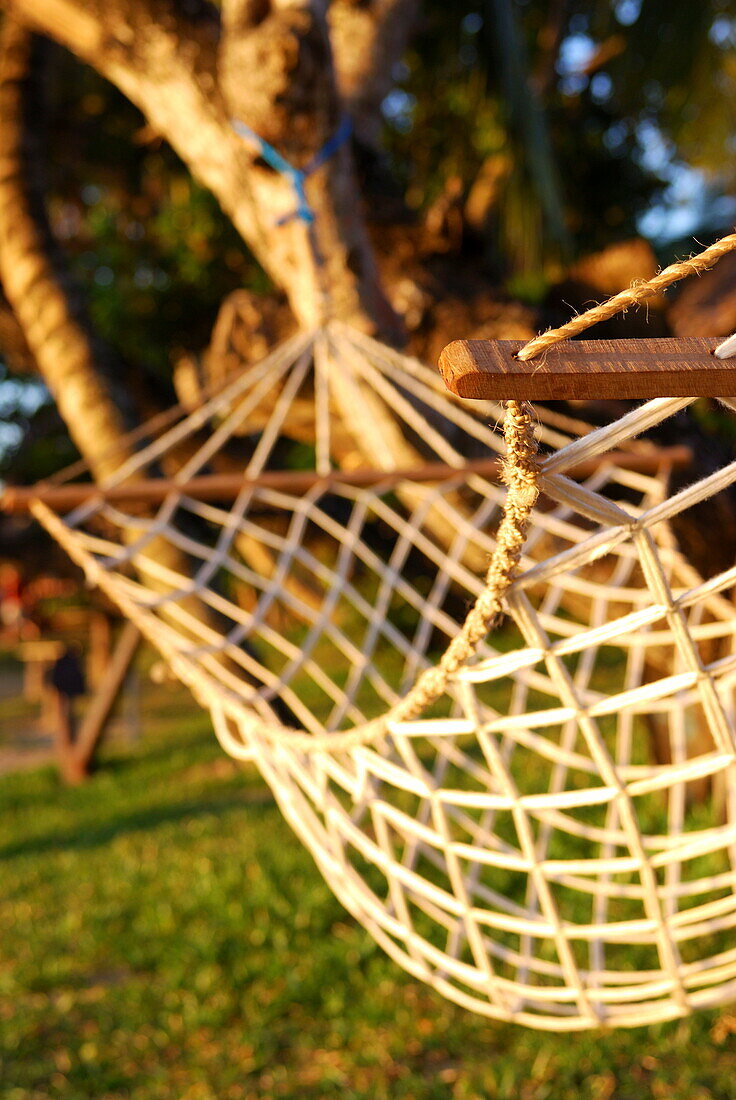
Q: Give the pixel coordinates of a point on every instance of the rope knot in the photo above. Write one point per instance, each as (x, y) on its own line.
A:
(297, 177)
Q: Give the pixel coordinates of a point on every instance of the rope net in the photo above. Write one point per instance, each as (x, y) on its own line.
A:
(552, 839)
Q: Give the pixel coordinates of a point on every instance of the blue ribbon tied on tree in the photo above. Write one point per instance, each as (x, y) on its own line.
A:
(297, 177)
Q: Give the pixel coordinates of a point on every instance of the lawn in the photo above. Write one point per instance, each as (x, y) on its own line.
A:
(165, 936)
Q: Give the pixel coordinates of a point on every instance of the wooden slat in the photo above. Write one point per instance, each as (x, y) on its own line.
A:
(589, 369)
(225, 487)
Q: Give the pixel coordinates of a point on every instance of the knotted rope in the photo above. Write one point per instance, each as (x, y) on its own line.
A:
(520, 473)
(297, 177)
(634, 296)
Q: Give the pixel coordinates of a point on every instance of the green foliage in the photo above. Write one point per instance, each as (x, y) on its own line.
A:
(467, 94)
(677, 68)
(157, 269)
(153, 250)
(165, 937)
(567, 98)
(461, 103)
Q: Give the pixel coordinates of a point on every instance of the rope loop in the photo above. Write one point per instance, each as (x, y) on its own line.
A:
(521, 477)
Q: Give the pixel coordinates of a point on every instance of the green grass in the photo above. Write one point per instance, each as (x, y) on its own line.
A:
(164, 935)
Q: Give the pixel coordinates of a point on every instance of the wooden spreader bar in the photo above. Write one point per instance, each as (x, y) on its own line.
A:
(226, 487)
(582, 370)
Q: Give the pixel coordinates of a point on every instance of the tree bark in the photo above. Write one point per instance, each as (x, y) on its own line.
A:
(37, 291)
(13, 344)
(368, 41)
(167, 65)
(73, 364)
(156, 71)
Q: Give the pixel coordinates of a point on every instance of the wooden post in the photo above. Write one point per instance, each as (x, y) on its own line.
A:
(98, 658)
(69, 766)
(98, 712)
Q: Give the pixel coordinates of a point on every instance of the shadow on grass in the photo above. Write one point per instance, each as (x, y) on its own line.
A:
(86, 836)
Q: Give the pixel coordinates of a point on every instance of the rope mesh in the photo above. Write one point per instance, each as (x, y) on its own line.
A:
(519, 845)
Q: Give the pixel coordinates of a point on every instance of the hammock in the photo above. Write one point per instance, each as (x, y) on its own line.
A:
(508, 838)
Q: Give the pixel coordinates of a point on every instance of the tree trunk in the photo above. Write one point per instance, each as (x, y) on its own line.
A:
(293, 100)
(167, 65)
(368, 41)
(37, 291)
(70, 360)
(15, 351)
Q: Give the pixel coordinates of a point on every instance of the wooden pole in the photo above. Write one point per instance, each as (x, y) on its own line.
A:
(225, 487)
(69, 766)
(98, 712)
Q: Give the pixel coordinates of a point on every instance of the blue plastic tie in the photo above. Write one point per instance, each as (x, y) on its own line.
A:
(297, 177)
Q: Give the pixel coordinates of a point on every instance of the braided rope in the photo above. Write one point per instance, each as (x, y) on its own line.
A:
(520, 474)
(521, 477)
(637, 293)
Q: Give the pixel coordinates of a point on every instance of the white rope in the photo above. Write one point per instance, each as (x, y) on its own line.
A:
(527, 856)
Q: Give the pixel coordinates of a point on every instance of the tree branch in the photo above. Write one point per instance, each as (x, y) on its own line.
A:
(368, 41)
(68, 357)
(164, 62)
(14, 349)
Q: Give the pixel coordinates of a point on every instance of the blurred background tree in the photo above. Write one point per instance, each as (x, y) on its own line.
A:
(509, 160)
(513, 138)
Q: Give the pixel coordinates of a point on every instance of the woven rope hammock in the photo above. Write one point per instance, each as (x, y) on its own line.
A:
(508, 835)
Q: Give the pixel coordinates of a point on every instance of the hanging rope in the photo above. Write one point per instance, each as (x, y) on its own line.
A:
(297, 177)
(634, 296)
(521, 476)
